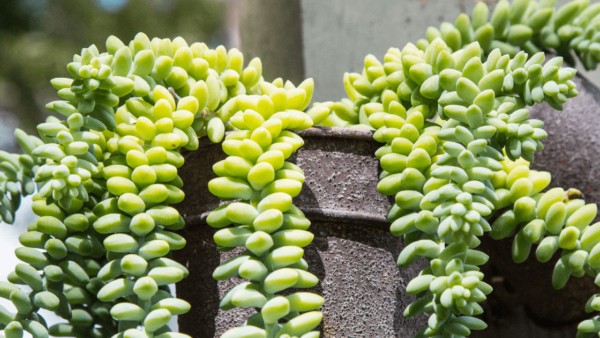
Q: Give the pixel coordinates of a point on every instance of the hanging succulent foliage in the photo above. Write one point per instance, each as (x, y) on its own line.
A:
(452, 114)
(450, 111)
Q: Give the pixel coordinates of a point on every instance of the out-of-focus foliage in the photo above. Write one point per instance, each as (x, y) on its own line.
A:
(37, 37)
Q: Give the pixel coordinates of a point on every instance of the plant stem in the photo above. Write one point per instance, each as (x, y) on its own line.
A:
(271, 330)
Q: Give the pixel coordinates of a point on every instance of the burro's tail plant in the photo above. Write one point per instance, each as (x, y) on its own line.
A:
(107, 172)
(457, 140)
(452, 114)
(269, 228)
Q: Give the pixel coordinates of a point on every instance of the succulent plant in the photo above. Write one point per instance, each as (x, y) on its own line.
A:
(265, 222)
(452, 114)
(457, 140)
(107, 174)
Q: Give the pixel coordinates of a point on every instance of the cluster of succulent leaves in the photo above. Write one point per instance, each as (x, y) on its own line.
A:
(450, 111)
(531, 26)
(452, 114)
(105, 174)
(267, 226)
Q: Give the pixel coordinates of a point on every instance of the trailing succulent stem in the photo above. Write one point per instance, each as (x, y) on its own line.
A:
(263, 220)
(16, 175)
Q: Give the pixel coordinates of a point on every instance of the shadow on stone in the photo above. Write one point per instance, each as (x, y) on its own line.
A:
(201, 257)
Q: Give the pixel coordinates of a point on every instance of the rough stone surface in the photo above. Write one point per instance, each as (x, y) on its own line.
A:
(353, 253)
(341, 175)
(362, 286)
(572, 151)
(524, 303)
(196, 173)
